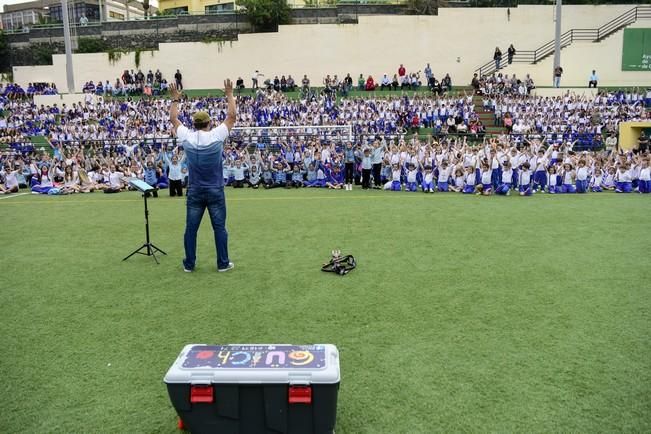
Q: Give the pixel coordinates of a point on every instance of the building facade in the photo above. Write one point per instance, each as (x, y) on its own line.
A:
(195, 6)
(24, 15)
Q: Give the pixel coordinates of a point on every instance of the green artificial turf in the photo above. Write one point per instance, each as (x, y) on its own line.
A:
(475, 314)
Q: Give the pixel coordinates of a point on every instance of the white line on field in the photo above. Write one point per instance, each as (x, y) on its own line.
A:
(13, 195)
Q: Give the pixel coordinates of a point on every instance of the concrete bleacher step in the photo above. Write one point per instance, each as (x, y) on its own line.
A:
(486, 117)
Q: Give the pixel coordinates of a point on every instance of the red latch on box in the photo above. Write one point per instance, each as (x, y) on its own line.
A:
(300, 395)
(201, 394)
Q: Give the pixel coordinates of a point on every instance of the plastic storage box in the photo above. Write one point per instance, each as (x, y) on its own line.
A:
(255, 388)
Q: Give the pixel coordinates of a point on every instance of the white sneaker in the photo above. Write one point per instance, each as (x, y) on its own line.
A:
(431, 190)
(230, 267)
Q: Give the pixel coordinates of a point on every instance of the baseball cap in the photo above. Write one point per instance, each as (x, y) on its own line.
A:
(201, 117)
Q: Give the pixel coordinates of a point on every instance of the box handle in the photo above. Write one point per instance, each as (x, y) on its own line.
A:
(300, 395)
(201, 394)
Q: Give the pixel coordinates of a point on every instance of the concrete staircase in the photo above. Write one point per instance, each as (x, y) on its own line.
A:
(487, 117)
(570, 36)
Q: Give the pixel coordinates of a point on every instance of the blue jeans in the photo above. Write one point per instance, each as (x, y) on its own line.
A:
(198, 199)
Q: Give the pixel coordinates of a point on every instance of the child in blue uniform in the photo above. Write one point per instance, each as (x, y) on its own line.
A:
(608, 182)
(394, 184)
(507, 175)
(267, 177)
(412, 173)
(487, 178)
(428, 180)
(645, 177)
(280, 175)
(254, 177)
(582, 177)
(458, 180)
(568, 179)
(624, 180)
(470, 180)
(297, 177)
(525, 180)
(151, 177)
(552, 180)
(444, 176)
(334, 178)
(596, 180)
(367, 165)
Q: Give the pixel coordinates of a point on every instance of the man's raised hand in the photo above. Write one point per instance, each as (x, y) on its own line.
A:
(174, 92)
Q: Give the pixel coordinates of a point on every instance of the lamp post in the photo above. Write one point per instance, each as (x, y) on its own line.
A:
(68, 44)
(557, 40)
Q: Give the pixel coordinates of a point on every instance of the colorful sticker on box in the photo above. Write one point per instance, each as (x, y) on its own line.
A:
(256, 357)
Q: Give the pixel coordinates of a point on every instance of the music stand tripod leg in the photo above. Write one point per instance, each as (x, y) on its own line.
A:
(149, 246)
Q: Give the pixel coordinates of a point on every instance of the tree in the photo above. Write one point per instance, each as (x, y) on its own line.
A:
(266, 15)
(425, 7)
(5, 65)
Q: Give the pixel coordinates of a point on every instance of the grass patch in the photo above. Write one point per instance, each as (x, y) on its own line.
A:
(465, 313)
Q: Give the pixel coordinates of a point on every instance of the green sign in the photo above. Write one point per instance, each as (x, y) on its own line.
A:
(636, 54)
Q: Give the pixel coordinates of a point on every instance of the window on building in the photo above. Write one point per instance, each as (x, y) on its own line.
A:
(177, 11)
(75, 11)
(116, 15)
(56, 15)
(222, 7)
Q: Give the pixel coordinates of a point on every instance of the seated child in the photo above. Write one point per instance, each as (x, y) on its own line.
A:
(525, 180)
(428, 180)
(394, 184)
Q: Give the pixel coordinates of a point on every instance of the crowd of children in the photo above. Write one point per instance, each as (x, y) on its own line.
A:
(497, 166)
(98, 144)
(570, 117)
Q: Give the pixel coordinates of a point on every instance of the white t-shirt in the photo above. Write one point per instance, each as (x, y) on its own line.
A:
(444, 174)
(115, 179)
(201, 139)
(11, 179)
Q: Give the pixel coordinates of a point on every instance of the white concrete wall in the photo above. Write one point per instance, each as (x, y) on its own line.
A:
(579, 59)
(456, 42)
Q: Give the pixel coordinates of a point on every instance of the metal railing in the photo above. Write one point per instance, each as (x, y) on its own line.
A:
(98, 24)
(592, 35)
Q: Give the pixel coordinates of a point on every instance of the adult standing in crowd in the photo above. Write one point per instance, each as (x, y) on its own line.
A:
(497, 57)
(254, 79)
(642, 142)
(203, 152)
(376, 160)
(178, 79)
(558, 72)
(510, 53)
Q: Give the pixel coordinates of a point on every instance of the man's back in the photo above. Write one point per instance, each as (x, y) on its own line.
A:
(203, 150)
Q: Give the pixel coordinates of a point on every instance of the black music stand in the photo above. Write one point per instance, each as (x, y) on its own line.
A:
(149, 246)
